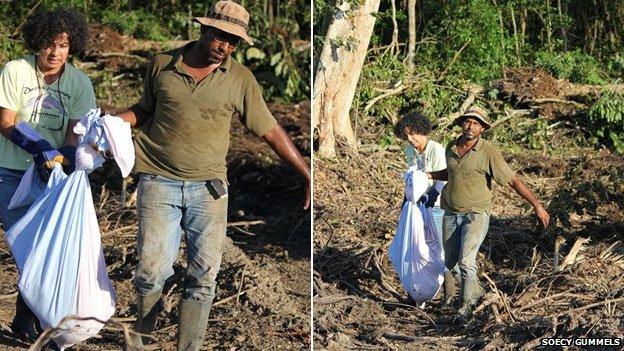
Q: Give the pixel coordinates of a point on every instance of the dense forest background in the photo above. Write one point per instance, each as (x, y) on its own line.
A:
(280, 58)
(456, 43)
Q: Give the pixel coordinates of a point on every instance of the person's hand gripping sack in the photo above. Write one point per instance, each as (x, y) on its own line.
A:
(429, 198)
(44, 155)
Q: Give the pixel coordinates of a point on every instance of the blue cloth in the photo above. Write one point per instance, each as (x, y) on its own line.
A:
(165, 208)
(94, 133)
(415, 251)
(56, 247)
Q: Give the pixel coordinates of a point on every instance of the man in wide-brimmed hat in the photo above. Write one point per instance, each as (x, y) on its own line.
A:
(472, 164)
(190, 96)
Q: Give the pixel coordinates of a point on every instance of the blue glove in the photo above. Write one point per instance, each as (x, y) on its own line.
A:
(69, 153)
(27, 138)
(429, 198)
(432, 195)
(423, 199)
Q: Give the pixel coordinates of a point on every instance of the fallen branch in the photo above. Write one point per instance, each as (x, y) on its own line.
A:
(122, 55)
(245, 223)
(240, 285)
(591, 305)
(537, 302)
(559, 101)
(510, 114)
(9, 295)
(390, 92)
(235, 296)
(384, 284)
(455, 57)
(558, 242)
(576, 248)
(503, 298)
(473, 90)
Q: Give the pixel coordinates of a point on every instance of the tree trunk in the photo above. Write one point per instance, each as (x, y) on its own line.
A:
(549, 27)
(394, 44)
(564, 34)
(337, 74)
(411, 40)
(326, 22)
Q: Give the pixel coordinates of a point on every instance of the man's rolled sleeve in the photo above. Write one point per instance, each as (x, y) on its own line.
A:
(254, 113)
(500, 169)
(148, 99)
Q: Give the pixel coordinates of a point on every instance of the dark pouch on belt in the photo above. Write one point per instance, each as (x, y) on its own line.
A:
(216, 188)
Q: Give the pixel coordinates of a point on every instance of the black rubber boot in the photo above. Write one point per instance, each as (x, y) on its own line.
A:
(192, 324)
(25, 323)
(470, 295)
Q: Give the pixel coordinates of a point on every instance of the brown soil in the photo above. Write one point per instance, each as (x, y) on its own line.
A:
(359, 302)
(263, 294)
(533, 87)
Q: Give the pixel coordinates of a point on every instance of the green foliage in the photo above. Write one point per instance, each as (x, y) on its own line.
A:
(137, 23)
(103, 85)
(280, 58)
(576, 66)
(473, 25)
(615, 65)
(536, 135)
(384, 72)
(607, 117)
(388, 139)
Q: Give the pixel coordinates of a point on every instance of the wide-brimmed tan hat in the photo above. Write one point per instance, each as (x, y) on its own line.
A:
(477, 113)
(230, 17)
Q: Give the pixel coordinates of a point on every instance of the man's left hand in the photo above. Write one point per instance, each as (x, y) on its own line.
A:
(306, 202)
(279, 141)
(543, 216)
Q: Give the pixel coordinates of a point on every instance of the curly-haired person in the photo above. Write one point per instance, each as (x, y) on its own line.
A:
(42, 97)
(427, 155)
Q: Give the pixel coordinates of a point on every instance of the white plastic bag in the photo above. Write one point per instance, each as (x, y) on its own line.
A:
(415, 251)
(119, 135)
(62, 271)
(106, 133)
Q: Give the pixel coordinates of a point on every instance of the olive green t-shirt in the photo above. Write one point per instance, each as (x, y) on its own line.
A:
(469, 186)
(188, 134)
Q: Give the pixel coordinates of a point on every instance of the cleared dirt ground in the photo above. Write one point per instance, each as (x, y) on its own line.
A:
(359, 303)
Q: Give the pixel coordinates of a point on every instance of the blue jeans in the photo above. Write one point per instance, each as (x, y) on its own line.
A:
(438, 215)
(9, 180)
(165, 208)
(463, 234)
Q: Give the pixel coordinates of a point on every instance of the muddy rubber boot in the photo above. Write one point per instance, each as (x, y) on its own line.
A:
(25, 323)
(470, 295)
(450, 287)
(192, 324)
(148, 309)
